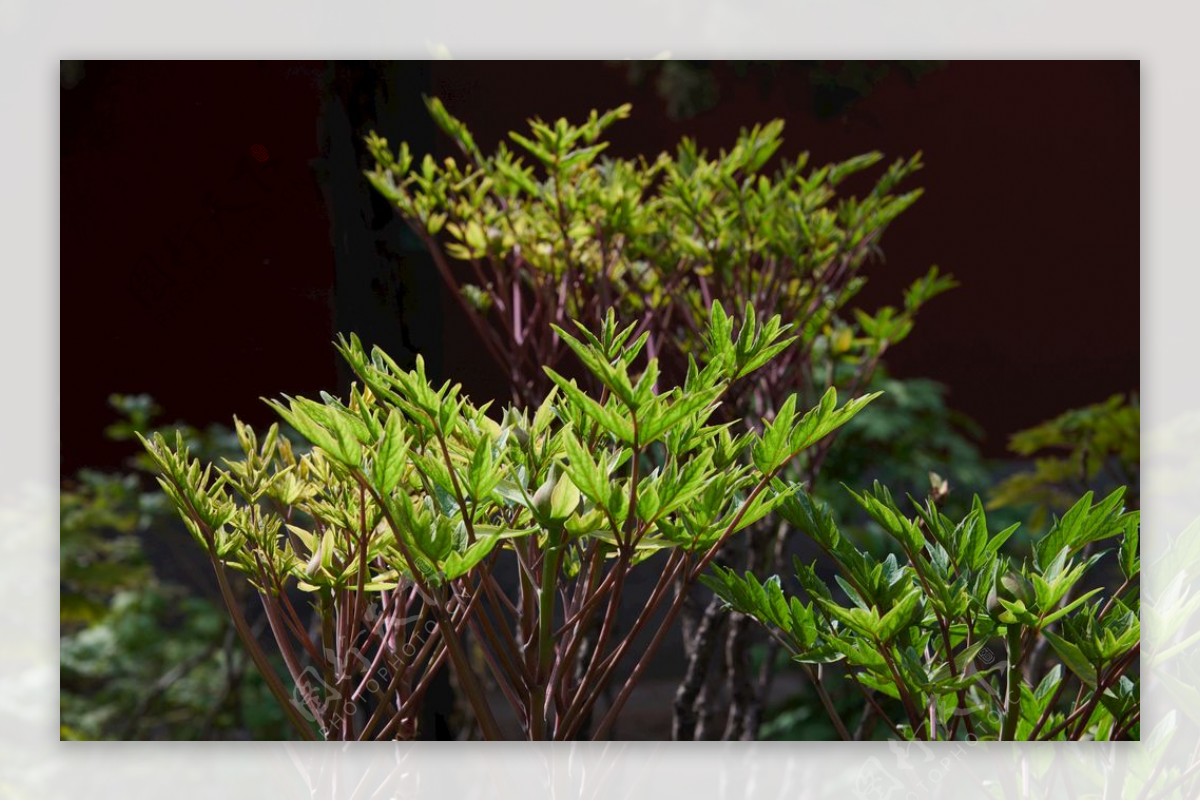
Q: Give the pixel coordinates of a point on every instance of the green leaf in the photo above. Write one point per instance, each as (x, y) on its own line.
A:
(536, 150)
(347, 448)
(1082, 523)
(863, 621)
(457, 565)
(824, 654)
(452, 127)
(968, 654)
(882, 508)
(771, 450)
(765, 355)
(298, 418)
(692, 407)
(564, 498)
(810, 516)
(613, 376)
(585, 473)
(1130, 563)
(900, 616)
(388, 465)
(803, 622)
(825, 419)
(1053, 616)
(608, 419)
(1073, 658)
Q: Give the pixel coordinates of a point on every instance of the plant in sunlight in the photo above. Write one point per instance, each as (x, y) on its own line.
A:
(424, 532)
(549, 227)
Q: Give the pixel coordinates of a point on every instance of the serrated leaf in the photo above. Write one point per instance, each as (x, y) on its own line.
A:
(456, 565)
(389, 460)
(347, 448)
(564, 498)
(1072, 657)
(771, 450)
(900, 616)
(1053, 616)
(1130, 563)
(608, 419)
(1081, 524)
(689, 407)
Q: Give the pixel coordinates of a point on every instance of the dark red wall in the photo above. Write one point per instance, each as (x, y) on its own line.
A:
(197, 263)
(195, 246)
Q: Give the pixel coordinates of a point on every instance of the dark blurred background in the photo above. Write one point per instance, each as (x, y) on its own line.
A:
(216, 231)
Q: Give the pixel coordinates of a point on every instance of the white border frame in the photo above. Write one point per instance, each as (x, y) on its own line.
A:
(35, 34)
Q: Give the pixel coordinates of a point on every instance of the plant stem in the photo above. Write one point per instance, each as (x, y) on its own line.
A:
(289, 659)
(450, 636)
(703, 643)
(466, 675)
(1113, 674)
(1126, 725)
(1012, 703)
(915, 718)
(243, 630)
(260, 659)
(611, 716)
(590, 686)
(827, 702)
(546, 596)
(600, 671)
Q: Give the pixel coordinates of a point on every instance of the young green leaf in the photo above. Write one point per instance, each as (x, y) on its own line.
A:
(1073, 658)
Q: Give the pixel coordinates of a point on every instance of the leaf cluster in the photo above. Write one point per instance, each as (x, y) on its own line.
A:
(410, 494)
(550, 227)
(917, 628)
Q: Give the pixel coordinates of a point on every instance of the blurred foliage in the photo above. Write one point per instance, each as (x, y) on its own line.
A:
(94, 567)
(1096, 447)
(911, 441)
(142, 657)
(690, 88)
(910, 434)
